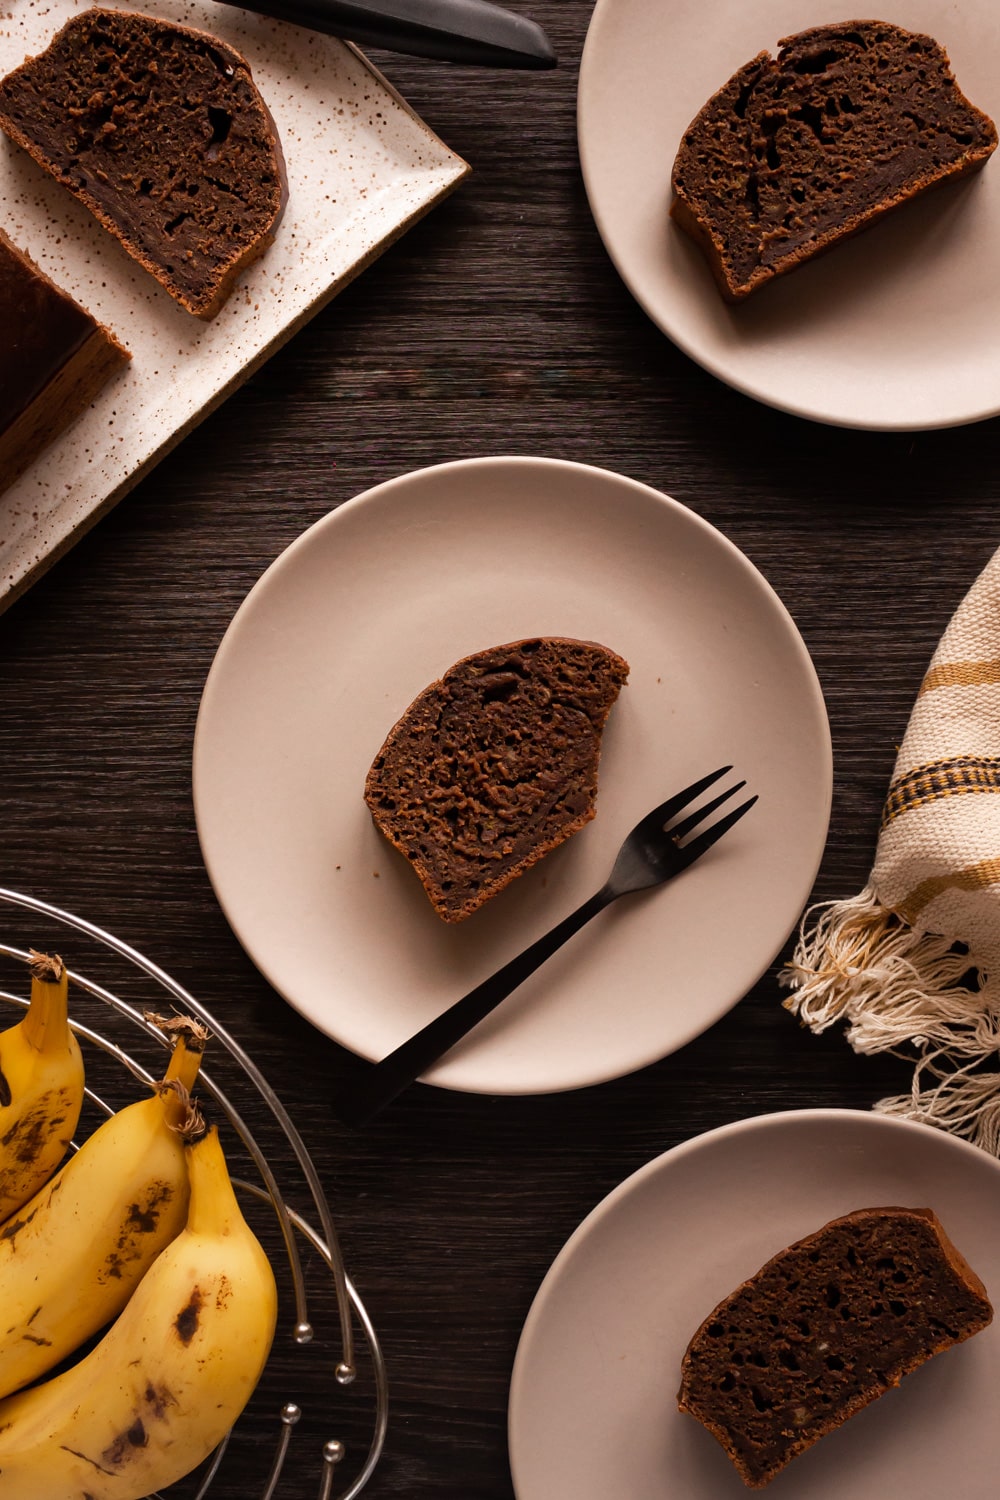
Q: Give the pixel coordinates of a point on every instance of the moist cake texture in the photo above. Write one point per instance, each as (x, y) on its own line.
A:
(495, 765)
(824, 1329)
(798, 152)
(161, 132)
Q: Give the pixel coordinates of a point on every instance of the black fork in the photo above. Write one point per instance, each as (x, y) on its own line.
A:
(652, 854)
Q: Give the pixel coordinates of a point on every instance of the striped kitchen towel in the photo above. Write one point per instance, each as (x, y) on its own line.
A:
(912, 964)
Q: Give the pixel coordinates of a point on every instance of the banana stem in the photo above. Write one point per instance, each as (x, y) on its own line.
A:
(174, 1090)
(190, 1038)
(46, 1023)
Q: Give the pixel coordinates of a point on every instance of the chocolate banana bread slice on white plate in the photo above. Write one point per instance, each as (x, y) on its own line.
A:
(825, 1328)
(796, 153)
(495, 765)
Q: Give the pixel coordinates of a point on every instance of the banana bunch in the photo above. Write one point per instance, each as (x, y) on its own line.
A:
(173, 1373)
(71, 1258)
(41, 1087)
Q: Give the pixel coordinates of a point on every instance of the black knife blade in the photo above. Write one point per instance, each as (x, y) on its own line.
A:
(461, 31)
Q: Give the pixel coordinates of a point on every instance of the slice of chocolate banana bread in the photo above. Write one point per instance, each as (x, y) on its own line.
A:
(825, 1328)
(161, 132)
(54, 359)
(495, 765)
(797, 153)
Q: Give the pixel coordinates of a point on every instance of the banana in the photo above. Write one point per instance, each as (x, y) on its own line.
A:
(41, 1087)
(70, 1258)
(170, 1377)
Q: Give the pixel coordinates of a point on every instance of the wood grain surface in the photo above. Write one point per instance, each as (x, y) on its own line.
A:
(496, 326)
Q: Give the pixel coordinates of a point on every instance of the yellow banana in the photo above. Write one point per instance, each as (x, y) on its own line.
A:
(170, 1377)
(41, 1087)
(70, 1258)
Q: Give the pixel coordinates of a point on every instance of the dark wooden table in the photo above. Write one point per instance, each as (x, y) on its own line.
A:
(496, 325)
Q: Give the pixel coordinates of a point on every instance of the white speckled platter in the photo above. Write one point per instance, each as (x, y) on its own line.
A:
(362, 167)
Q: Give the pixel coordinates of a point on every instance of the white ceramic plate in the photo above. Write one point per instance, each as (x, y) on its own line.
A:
(593, 1409)
(375, 602)
(899, 328)
(361, 166)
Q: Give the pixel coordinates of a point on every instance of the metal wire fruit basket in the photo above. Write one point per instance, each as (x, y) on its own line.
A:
(109, 1014)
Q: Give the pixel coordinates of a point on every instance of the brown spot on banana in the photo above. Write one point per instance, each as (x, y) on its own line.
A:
(141, 1220)
(187, 1320)
(6, 1097)
(122, 1448)
(144, 1217)
(85, 1458)
(11, 1229)
(26, 1135)
(157, 1399)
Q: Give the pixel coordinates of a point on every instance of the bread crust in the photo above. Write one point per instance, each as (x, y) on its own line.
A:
(494, 765)
(54, 359)
(783, 115)
(784, 1363)
(226, 269)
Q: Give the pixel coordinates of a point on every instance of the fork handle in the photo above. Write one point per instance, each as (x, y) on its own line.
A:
(381, 1083)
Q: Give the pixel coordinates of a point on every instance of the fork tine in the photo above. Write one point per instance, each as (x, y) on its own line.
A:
(701, 813)
(697, 846)
(659, 815)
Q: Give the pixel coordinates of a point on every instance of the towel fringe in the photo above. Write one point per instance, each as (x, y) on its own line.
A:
(896, 988)
(966, 1106)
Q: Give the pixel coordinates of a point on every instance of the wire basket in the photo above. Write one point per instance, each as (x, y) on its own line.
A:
(113, 1049)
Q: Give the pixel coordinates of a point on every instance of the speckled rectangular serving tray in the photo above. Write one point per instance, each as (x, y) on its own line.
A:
(361, 166)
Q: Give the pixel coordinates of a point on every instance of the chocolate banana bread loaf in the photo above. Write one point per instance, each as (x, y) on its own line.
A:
(54, 358)
(495, 765)
(160, 130)
(794, 154)
(823, 1329)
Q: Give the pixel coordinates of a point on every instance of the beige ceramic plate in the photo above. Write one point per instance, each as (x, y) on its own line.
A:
(593, 1413)
(361, 168)
(375, 602)
(899, 328)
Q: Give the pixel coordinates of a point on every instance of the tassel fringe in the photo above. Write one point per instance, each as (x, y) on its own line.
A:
(965, 1106)
(895, 989)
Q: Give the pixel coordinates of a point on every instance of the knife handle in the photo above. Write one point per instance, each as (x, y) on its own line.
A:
(475, 32)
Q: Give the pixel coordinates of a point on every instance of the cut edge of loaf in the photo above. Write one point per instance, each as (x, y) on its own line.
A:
(69, 392)
(426, 874)
(228, 274)
(686, 214)
(961, 1273)
(854, 224)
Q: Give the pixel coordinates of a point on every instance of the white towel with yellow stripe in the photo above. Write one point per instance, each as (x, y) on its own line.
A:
(912, 964)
